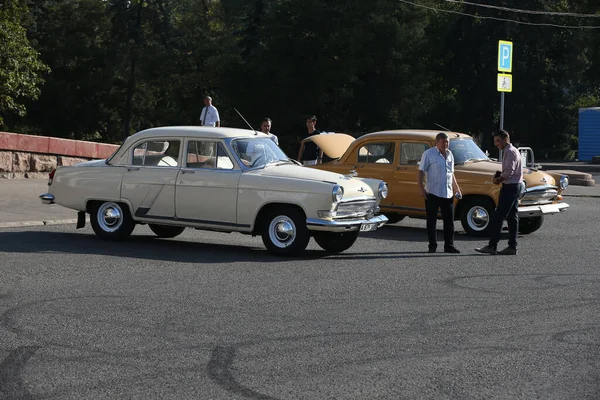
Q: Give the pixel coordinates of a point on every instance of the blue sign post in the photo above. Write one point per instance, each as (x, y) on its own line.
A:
(505, 50)
(504, 83)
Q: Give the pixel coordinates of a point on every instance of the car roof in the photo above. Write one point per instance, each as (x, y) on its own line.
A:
(411, 134)
(198, 131)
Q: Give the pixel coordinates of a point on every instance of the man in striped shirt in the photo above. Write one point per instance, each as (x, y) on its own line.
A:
(437, 164)
(511, 179)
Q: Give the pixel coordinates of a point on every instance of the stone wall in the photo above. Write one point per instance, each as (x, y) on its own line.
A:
(28, 156)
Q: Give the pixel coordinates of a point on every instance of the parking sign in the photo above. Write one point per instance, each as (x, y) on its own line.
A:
(505, 50)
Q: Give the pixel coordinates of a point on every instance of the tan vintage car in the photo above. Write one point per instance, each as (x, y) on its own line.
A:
(394, 156)
(218, 179)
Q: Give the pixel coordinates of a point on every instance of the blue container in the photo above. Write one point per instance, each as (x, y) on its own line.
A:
(589, 133)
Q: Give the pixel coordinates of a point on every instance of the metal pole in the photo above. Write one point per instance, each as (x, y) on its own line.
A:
(501, 110)
(501, 120)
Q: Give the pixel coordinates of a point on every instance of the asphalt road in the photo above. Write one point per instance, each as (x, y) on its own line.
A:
(213, 316)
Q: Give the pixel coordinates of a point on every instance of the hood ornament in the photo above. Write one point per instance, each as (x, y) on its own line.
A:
(362, 189)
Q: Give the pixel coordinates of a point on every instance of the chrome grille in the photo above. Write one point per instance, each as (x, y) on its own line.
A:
(539, 197)
(356, 208)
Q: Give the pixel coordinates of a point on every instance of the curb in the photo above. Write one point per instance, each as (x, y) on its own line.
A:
(590, 196)
(19, 224)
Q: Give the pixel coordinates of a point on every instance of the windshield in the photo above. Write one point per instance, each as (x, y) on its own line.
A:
(258, 152)
(466, 150)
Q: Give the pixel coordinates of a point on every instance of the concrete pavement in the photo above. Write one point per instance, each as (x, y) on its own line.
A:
(213, 316)
(21, 206)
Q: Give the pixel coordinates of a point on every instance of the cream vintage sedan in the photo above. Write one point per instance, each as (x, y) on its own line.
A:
(217, 179)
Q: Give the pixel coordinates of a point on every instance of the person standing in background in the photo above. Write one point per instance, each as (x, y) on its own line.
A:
(511, 179)
(311, 152)
(437, 164)
(209, 115)
(265, 127)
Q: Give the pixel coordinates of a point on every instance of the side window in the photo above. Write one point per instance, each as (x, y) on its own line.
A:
(377, 153)
(410, 153)
(157, 153)
(209, 155)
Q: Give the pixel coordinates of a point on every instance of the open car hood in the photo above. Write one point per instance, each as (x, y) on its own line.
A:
(334, 145)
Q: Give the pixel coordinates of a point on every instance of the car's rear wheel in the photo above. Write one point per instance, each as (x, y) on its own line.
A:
(530, 224)
(284, 231)
(335, 242)
(111, 220)
(165, 231)
(394, 218)
(476, 216)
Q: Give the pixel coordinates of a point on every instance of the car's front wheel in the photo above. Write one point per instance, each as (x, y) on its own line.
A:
(530, 224)
(335, 242)
(165, 231)
(394, 218)
(476, 216)
(111, 220)
(284, 231)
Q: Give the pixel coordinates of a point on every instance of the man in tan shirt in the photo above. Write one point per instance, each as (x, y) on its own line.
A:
(511, 179)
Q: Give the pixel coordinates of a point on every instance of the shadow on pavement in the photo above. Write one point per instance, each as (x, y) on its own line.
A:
(178, 250)
(419, 235)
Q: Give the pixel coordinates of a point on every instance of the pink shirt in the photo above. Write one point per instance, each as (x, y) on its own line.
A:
(512, 171)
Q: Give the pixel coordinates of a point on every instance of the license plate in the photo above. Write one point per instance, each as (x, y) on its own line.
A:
(368, 227)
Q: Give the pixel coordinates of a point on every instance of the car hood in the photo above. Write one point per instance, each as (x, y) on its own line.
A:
(353, 187)
(334, 145)
(532, 177)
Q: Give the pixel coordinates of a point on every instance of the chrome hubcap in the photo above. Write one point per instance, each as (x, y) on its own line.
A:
(478, 218)
(110, 217)
(282, 231)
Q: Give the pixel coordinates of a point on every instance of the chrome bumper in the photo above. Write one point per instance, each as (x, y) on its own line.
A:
(316, 224)
(546, 209)
(47, 198)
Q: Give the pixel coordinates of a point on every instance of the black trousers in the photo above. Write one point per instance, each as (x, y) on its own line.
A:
(508, 207)
(432, 204)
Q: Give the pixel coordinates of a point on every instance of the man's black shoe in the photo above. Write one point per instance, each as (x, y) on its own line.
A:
(487, 250)
(509, 251)
(451, 250)
(432, 249)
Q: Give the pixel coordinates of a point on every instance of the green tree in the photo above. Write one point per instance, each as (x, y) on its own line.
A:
(20, 67)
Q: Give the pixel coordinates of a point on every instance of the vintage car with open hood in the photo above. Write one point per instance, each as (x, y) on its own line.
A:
(394, 156)
(219, 179)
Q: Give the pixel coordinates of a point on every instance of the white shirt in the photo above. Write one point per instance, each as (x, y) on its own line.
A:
(209, 116)
(438, 171)
(273, 138)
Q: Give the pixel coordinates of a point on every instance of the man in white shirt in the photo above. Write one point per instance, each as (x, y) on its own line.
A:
(209, 115)
(437, 164)
(265, 128)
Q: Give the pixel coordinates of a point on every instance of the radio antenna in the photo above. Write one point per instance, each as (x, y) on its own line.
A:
(443, 127)
(247, 123)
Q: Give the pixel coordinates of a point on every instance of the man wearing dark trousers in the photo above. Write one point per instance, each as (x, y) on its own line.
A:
(437, 164)
(511, 179)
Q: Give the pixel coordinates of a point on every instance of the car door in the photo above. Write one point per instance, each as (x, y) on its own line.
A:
(149, 180)
(207, 185)
(404, 193)
(376, 159)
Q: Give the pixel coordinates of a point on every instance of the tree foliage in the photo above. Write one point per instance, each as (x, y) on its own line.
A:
(125, 65)
(20, 67)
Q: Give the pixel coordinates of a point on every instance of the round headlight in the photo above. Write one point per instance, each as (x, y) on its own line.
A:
(564, 182)
(383, 190)
(337, 194)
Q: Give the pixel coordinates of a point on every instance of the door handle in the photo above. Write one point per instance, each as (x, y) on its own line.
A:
(357, 166)
(133, 168)
(188, 171)
(401, 168)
